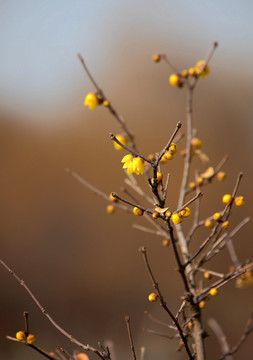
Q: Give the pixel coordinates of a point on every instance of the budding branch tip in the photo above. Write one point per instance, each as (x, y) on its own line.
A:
(142, 249)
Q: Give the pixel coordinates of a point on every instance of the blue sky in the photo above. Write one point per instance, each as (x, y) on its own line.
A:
(39, 40)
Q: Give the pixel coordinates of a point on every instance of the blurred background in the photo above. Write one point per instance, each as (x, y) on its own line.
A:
(82, 264)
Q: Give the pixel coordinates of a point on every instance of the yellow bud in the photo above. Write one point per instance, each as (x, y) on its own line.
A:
(207, 275)
(168, 155)
(137, 211)
(181, 343)
(30, 339)
(168, 213)
(213, 292)
(176, 218)
(192, 72)
(155, 215)
(159, 176)
(151, 157)
(156, 58)
(221, 176)
(174, 80)
(227, 199)
(112, 198)
(166, 243)
(152, 297)
(122, 139)
(239, 201)
(185, 212)
(190, 325)
(217, 216)
(209, 224)
(200, 180)
(225, 225)
(202, 304)
(82, 356)
(110, 209)
(91, 101)
(173, 148)
(202, 69)
(196, 143)
(184, 74)
(106, 103)
(20, 336)
(192, 185)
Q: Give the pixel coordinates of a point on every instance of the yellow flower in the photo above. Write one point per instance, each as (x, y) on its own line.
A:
(122, 139)
(91, 101)
(133, 164)
(201, 69)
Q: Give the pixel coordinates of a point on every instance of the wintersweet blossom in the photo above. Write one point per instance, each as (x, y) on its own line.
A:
(91, 101)
(133, 164)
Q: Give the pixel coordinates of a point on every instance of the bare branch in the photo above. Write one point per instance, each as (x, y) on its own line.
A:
(127, 318)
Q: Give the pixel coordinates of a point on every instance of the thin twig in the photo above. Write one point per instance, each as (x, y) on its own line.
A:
(163, 303)
(190, 202)
(133, 152)
(248, 329)
(221, 337)
(227, 278)
(95, 190)
(109, 107)
(127, 318)
(166, 148)
(154, 332)
(36, 348)
(147, 230)
(131, 203)
(43, 310)
(151, 317)
(142, 353)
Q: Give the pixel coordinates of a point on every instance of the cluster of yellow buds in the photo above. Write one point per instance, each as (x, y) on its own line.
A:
(29, 339)
(238, 200)
(200, 70)
(177, 218)
(170, 153)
